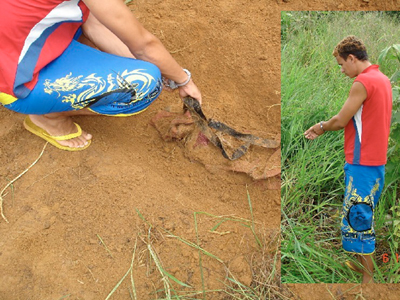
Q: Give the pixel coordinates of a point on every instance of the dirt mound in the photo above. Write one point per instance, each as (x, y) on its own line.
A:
(259, 163)
(75, 219)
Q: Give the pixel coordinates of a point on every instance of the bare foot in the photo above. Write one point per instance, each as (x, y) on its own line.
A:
(58, 124)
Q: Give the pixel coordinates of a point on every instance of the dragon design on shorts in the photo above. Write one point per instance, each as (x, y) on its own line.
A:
(80, 91)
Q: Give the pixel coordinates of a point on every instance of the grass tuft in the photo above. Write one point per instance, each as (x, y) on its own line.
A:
(265, 263)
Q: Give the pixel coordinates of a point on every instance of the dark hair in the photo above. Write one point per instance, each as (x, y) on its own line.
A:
(351, 45)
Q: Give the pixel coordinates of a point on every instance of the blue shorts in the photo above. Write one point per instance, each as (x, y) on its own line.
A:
(364, 186)
(84, 77)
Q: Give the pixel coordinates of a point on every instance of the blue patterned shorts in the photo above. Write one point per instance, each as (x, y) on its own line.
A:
(364, 186)
(84, 77)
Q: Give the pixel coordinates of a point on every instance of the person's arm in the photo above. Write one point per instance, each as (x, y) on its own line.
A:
(103, 38)
(357, 96)
(120, 21)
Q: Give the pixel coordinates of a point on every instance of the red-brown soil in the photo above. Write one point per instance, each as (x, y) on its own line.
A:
(60, 209)
(63, 205)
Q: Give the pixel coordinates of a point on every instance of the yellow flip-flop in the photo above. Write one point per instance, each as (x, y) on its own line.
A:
(350, 265)
(40, 132)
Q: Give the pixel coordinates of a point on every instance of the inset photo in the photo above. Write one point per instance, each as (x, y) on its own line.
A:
(340, 146)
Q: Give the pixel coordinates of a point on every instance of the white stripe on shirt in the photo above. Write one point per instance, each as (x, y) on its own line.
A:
(66, 11)
(357, 118)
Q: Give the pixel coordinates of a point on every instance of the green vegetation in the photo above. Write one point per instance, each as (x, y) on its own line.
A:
(313, 89)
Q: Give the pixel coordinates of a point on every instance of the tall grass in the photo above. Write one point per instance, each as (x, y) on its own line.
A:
(313, 89)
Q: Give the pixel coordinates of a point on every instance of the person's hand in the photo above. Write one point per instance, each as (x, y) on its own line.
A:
(313, 132)
(190, 90)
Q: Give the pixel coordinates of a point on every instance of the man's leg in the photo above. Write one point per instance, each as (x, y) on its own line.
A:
(364, 185)
(85, 81)
(368, 267)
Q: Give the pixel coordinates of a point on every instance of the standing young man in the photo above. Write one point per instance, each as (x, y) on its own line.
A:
(365, 117)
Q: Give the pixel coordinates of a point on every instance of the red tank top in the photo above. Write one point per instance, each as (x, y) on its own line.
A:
(367, 133)
(33, 33)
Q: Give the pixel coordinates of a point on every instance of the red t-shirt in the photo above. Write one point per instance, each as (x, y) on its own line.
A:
(367, 133)
(33, 33)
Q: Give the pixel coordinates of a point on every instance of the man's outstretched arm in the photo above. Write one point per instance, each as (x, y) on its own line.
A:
(357, 96)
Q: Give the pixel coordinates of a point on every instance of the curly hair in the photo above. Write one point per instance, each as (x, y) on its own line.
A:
(351, 45)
